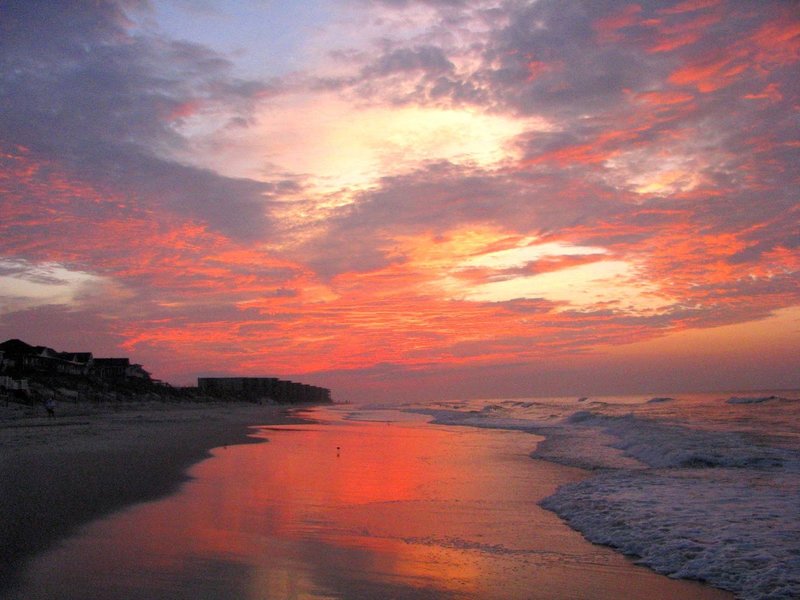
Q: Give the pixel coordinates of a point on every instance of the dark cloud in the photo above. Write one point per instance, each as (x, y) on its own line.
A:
(406, 3)
(236, 207)
(606, 75)
(545, 60)
(430, 59)
(65, 329)
(542, 59)
(665, 134)
(569, 58)
(78, 87)
(575, 59)
(442, 197)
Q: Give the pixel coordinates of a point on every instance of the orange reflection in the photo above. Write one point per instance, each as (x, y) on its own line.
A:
(279, 495)
(320, 511)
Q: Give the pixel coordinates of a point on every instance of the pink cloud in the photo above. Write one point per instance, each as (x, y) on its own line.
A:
(661, 146)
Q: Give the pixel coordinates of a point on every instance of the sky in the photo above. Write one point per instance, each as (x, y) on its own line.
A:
(407, 199)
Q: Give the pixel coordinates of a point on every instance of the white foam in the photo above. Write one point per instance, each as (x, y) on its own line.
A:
(735, 530)
(662, 445)
(715, 504)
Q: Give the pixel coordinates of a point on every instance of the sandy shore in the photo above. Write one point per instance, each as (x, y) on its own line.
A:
(59, 473)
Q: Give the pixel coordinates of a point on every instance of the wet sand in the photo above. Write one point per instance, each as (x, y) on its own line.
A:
(57, 474)
(351, 510)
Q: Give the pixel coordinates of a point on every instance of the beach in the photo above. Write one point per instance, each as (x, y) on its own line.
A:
(699, 486)
(351, 504)
(93, 459)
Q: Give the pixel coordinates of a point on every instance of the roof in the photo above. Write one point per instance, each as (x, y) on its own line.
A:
(112, 362)
(16, 346)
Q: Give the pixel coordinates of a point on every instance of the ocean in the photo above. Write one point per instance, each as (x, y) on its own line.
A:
(592, 498)
(698, 486)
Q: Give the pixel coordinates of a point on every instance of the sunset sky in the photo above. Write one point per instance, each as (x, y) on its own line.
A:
(407, 199)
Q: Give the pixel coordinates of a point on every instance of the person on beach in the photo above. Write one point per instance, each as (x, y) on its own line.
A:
(50, 405)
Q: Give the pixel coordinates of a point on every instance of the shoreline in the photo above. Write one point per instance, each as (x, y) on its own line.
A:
(58, 474)
(589, 455)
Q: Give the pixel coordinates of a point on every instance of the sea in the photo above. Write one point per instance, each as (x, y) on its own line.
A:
(698, 486)
(690, 496)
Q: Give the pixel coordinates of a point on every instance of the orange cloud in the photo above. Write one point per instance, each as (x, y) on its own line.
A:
(401, 228)
(607, 28)
(684, 33)
(778, 41)
(774, 44)
(599, 149)
(281, 319)
(772, 92)
(537, 68)
(671, 28)
(182, 110)
(689, 6)
(710, 73)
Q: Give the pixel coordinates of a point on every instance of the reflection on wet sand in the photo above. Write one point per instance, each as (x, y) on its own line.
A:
(347, 509)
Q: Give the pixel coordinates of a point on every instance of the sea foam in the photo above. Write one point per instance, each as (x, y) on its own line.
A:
(737, 533)
(718, 505)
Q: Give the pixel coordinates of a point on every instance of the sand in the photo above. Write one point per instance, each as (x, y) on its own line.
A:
(57, 474)
(401, 511)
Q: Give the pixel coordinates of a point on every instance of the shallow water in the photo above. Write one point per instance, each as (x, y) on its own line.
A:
(701, 486)
(377, 505)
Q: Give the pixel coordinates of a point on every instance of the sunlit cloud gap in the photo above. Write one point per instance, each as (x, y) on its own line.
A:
(599, 284)
(337, 145)
(39, 284)
(527, 251)
(384, 184)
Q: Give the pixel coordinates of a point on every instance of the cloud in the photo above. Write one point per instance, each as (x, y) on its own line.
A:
(446, 185)
(45, 284)
(429, 59)
(443, 197)
(407, 3)
(80, 88)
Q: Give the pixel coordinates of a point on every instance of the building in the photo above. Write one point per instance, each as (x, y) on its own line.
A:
(17, 355)
(9, 383)
(269, 389)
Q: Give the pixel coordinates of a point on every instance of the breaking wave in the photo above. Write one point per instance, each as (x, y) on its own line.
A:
(691, 490)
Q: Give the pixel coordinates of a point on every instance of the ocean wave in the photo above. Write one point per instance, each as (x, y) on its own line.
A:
(736, 533)
(660, 399)
(710, 503)
(753, 399)
(588, 439)
(663, 446)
